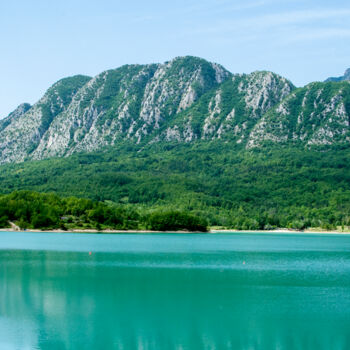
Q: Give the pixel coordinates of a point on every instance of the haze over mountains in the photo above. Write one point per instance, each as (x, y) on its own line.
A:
(184, 100)
(345, 77)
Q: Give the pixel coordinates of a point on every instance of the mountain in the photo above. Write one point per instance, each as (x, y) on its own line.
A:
(184, 100)
(345, 77)
(244, 151)
(131, 102)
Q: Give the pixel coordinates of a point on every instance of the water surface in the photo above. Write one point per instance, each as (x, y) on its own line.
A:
(177, 291)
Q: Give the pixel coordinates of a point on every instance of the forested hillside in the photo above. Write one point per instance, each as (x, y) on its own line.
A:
(261, 188)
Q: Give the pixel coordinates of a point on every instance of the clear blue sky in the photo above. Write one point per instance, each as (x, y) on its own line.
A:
(43, 40)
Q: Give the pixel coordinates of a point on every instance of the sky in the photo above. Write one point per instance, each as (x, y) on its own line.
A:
(43, 41)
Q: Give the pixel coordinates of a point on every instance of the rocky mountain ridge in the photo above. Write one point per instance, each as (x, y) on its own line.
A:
(184, 100)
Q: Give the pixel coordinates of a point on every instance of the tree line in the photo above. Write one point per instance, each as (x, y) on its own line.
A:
(33, 210)
(229, 186)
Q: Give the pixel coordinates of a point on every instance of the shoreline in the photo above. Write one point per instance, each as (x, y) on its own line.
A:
(211, 231)
(282, 230)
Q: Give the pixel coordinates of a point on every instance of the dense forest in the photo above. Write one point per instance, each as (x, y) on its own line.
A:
(157, 187)
(34, 210)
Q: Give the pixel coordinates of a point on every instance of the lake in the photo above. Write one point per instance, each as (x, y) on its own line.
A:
(174, 291)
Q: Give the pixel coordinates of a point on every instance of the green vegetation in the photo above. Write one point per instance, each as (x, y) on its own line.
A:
(48, 211)
(228, 186)
(175, 220)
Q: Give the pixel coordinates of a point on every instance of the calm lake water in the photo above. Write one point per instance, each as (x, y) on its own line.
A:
(177, 291)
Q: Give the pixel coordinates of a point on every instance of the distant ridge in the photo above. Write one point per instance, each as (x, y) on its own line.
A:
(345, 77)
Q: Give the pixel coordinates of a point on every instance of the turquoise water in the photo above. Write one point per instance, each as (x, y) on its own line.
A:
(177, 291)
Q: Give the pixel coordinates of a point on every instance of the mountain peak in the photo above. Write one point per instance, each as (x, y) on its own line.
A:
(17, 113)
(21, 109)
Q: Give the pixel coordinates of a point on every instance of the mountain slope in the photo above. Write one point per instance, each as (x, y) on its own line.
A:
(318, 114)
(21, 131)
(231, 110)
(16, 114)
(258, 188)
(130, 102)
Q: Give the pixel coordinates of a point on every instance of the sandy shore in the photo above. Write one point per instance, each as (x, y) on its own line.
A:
(287, 231)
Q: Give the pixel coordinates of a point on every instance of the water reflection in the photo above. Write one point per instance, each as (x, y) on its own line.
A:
(71, 300)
